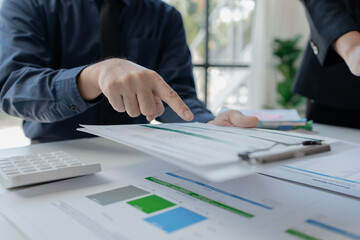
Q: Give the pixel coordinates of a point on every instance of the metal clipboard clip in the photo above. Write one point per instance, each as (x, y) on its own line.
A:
(302, 149)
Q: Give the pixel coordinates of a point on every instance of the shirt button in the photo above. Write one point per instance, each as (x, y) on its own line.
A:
(314, 48)
(74, 108)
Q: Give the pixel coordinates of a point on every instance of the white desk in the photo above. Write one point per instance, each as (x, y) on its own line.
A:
(112, 155)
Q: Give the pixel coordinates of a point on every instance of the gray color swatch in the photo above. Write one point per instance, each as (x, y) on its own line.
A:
(117, 195)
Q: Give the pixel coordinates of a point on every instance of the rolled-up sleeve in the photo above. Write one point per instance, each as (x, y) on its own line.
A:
(30, 86)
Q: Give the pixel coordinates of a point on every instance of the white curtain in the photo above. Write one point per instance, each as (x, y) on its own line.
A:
(273, 18)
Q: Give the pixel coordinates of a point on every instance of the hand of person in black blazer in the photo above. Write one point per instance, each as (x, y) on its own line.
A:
(348, 47)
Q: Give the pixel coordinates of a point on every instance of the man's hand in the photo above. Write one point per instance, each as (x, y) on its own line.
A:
(235, 119)
(348, 47)
(130, 88)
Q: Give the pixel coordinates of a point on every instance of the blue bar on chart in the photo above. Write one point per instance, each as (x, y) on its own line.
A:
(219, 191)
(333, 229)
(175, 219)
(320, 174)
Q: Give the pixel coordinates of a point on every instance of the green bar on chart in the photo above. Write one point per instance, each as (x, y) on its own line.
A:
(151, 204)
(200, 197)
(300, 235)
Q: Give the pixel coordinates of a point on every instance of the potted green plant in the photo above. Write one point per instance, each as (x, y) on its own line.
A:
(287, 52)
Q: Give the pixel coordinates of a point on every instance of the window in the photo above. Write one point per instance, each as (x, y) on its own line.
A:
(219, 35)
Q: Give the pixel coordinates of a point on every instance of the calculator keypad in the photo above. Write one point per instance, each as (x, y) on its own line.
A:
(40, 162)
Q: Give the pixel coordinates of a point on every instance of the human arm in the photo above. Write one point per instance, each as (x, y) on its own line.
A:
(348, 47)
(38, 82)
(329, 21)
(32, 86)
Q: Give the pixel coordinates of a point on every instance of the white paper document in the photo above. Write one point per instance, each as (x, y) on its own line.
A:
(273, 114)
(339, 171)
(205, 149)
(154, 200)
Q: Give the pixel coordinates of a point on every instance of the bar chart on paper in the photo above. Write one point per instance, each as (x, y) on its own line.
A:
(169, 221)
(174, 203)
(159, 201)
(181, 204)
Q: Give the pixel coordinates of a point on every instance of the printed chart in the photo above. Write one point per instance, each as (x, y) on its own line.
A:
(160, 201)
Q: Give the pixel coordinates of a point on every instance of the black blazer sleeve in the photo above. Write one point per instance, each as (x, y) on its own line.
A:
(329, 19)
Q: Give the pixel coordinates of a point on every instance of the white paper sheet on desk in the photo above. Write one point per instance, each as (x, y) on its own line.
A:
(205, 149)
(339, 171)
(118, 204)
(273, 114)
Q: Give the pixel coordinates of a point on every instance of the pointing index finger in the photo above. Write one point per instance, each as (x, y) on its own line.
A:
(168, 95)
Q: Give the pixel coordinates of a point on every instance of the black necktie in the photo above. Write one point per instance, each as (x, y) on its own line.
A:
(109, 47)
(109, 29)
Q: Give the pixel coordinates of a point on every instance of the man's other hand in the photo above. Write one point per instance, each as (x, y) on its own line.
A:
(235, 118)
(130, 88)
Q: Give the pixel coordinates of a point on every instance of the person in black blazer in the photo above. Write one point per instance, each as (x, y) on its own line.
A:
(330, 69)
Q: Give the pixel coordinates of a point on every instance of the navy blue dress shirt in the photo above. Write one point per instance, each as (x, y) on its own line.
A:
(44, 45)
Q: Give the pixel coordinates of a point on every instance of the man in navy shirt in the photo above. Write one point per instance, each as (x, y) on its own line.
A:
(51, 76)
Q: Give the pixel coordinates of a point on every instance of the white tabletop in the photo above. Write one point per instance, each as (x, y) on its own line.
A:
(89, 150)
(111, 155)
(342, 133)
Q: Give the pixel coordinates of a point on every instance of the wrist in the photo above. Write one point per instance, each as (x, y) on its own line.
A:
(346, 44)
(87, 82)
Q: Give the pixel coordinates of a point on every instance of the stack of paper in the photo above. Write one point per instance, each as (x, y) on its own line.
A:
(208, 150)
(280, 119)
